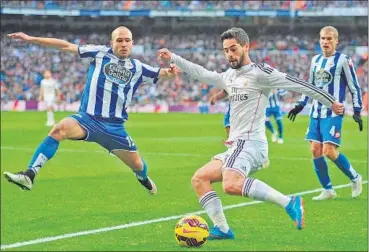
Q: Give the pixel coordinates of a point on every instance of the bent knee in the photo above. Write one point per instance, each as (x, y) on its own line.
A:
(58, 132)
(231, 187)
(198, 179)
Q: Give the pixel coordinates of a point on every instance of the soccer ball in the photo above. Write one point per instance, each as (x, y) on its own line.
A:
(191, 231)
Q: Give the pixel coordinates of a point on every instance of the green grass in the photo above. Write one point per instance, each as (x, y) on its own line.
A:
(85, 188)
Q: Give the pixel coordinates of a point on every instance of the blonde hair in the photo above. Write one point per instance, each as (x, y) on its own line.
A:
(332, 29)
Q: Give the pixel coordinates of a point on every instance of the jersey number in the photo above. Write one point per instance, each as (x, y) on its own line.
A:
(332, 131)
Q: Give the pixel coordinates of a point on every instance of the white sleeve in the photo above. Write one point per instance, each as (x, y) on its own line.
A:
(200, 73)
(90, 51)
(352, 83)
(272, 78)
(304, 98)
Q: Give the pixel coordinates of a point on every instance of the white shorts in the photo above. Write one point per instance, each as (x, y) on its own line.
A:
(244, 156)
(49, 102)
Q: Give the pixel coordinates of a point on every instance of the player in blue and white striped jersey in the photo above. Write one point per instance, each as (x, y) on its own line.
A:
(273, 109)
(333, 72)
(112, 79)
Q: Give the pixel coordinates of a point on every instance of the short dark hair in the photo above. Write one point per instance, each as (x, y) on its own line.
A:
(236, 33)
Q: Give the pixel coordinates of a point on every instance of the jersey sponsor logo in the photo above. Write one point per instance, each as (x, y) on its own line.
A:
(322, 77)
(117, 73)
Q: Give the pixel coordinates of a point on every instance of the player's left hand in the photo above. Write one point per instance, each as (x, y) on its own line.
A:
(165, 54)
(357, 118)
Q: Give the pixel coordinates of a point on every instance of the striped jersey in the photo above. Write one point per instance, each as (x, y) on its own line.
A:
(274, 98)
(333, 74)
(248, 89)
(112, 82)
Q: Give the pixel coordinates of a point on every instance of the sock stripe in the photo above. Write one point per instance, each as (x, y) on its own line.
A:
(235, 153)
(246, 186)
(206, 198)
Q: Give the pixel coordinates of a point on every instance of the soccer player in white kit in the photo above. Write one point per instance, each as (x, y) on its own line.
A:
(49, 93)
(248, 86)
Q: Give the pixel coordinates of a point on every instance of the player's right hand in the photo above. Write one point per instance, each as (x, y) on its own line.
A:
(165, 54)
(338, 108)
(20, 35)
(293, 112)
(212, 99)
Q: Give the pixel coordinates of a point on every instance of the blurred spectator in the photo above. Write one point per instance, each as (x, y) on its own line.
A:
(22, 64)
(183, 5)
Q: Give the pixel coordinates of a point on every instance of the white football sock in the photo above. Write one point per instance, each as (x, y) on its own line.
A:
(50, 116)
(213, 207)
(258, 190)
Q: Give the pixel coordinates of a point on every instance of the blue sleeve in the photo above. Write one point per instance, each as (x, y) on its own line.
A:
(150, 74)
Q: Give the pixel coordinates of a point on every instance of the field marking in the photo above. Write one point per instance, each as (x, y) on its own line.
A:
(141, 223)
(164, 154)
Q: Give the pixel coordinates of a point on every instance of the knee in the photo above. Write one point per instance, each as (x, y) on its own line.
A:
(138, 164)
(230, 187)
(58, 132)
(198, 180)
(330, 152)
(316, 150)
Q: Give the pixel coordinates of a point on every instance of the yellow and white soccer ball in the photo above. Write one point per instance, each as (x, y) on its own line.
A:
(191, 231)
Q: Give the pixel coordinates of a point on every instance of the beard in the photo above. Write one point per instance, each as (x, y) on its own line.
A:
(239, 63)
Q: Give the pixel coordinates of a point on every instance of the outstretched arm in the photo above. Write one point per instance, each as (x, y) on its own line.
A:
(195, 71)
(169, 73)
(272, 78)
(59, 44)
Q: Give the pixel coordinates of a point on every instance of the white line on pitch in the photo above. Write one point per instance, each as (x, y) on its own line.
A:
(163, 154)
(141, 223)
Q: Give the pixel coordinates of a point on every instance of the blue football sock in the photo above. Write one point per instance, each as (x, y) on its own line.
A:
(280, 128)
(269, 126)
(44, 152)
(321, 170)
(344, 165)
(142, 175)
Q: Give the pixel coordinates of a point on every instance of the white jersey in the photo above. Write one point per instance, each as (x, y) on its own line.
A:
(248, 89)
(49, 86)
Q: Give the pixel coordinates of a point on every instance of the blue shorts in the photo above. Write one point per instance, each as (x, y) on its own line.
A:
(276, 112)
(108, 133)
(325, 130)
(226, 121)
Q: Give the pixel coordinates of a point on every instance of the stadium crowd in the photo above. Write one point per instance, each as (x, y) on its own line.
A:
(22, 64)
(182, 5)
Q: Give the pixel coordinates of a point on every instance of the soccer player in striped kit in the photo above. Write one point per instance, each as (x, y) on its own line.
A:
(112, 79)
(248, 86)
(331, 71)
(273, 109)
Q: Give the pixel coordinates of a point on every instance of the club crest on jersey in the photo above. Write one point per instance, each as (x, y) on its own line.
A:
(322, 77)
(117, 73)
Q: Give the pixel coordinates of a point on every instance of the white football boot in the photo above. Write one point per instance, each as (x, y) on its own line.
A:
(357, 186)
(326, 194)
(280, 141)
(148, 184)
(20, 179)
(274, 137)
